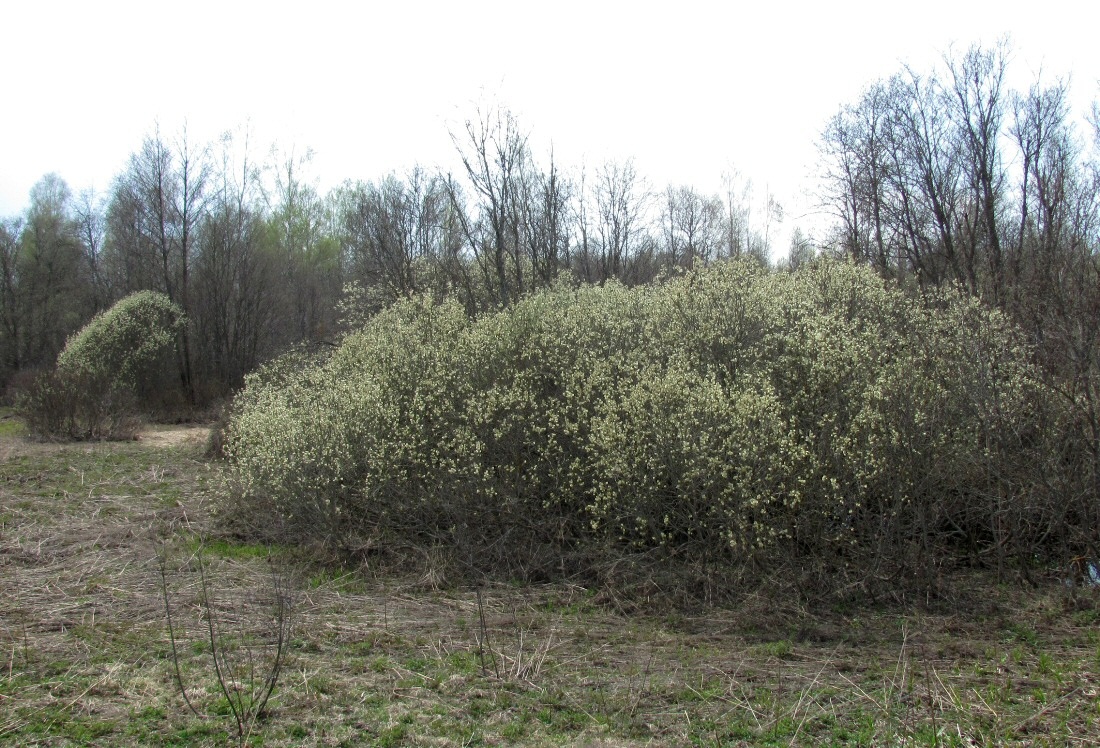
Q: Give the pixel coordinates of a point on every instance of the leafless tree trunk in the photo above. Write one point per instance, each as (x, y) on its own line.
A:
(497, 158)
(621, 197)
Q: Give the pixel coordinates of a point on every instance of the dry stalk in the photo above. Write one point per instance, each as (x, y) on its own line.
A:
(641, 689)
(162, 563)
(246, 691)
(1045, 710)
(529, 669)
(482, 642)
(802, 697)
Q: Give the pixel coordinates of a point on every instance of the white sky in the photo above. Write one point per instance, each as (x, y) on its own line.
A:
(689, 89)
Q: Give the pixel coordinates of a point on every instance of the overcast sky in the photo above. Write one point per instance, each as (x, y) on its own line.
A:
(688, 89)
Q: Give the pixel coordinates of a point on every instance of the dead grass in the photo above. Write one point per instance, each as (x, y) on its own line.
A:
(385, 659)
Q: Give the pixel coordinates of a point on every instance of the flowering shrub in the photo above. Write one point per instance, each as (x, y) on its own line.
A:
(732, 413)
(124, 345)
(103, 371)
(58, 405)
(682, 461)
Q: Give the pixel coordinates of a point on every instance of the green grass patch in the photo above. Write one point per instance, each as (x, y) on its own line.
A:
(228, 549)
(10, 425)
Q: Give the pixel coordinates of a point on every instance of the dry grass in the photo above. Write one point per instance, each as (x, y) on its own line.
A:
(385, 659)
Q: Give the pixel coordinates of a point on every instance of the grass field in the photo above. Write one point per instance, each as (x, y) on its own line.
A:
(91, 537)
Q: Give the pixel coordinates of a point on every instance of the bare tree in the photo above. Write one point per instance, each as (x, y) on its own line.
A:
(928, 182)
(691, 226)
(977, 111)
(856, 146)
(801, 250)
(916, 175)
(496, 157)
(583, 261)
(153, 226)
(91, 220)
(548, 197)
(234, 275)
(1049, 172)
(742, 236)
(621, 198)
(397, 236)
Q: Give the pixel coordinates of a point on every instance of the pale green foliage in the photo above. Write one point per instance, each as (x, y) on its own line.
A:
(318, 440)
(731, 412)
(682, 461)
(822, 408)
(104, 370)
(122, 344)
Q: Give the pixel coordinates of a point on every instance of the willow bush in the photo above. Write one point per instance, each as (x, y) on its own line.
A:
(733, 414)
(124, 345)
(105, 371)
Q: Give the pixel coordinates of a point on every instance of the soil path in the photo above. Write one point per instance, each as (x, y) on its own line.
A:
(174, 436)
(153, 436)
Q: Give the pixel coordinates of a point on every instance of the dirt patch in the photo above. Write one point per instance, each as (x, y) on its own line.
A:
(174, 436)
(153, 436)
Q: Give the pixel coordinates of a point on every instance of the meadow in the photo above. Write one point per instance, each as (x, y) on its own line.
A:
(92, 536)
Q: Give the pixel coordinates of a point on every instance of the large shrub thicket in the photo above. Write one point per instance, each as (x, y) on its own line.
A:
(822, 420)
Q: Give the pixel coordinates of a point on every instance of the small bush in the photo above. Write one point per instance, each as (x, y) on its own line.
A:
(126, 345)
(105, 371)
(63, 405)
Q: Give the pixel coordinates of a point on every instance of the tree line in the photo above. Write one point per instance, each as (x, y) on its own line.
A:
(950, 177)
(934, 177)
(259, 260)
